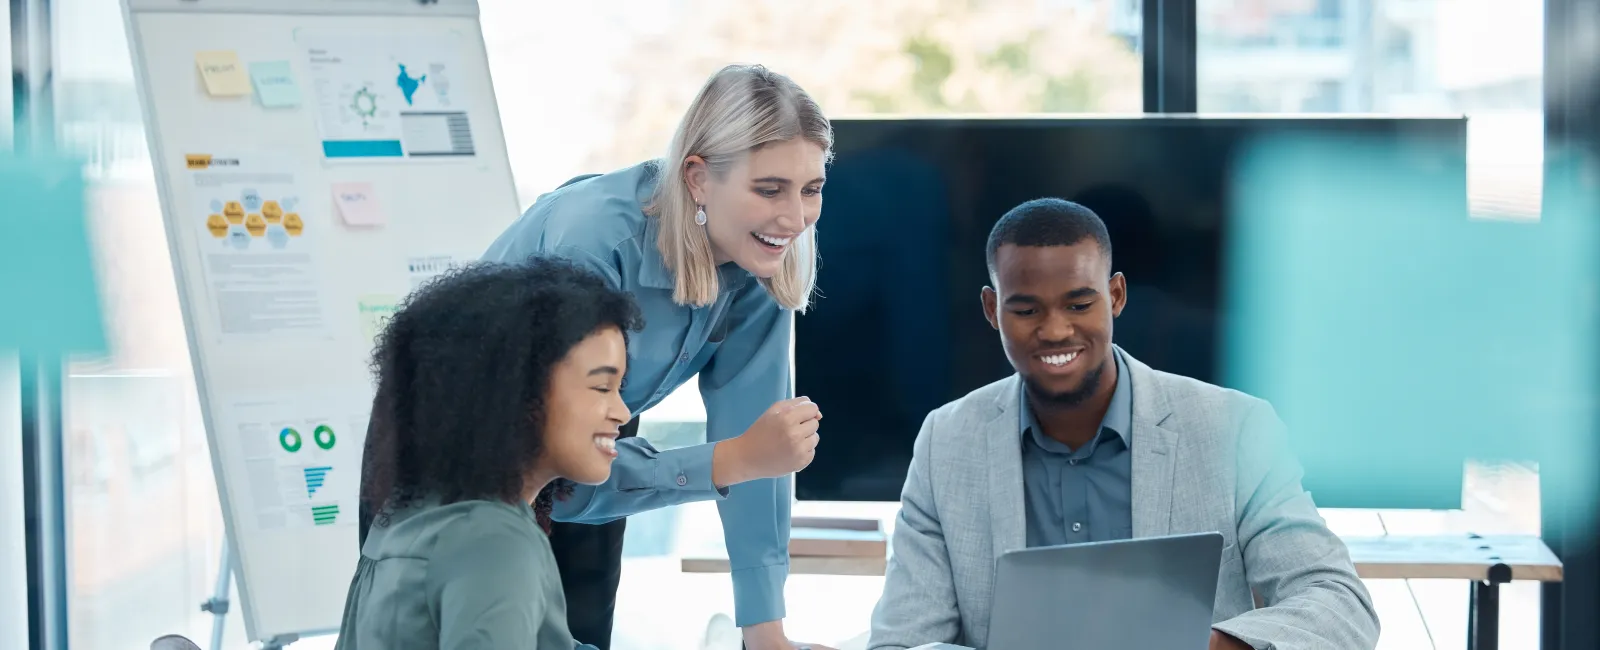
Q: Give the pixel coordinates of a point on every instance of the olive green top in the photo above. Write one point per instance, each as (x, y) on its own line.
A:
(473, 574)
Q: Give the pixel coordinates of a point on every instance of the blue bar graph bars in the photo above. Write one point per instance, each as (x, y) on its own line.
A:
(314, 479)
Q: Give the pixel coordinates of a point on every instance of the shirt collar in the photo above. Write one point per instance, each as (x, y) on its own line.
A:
(1119, 415)
(653, 271)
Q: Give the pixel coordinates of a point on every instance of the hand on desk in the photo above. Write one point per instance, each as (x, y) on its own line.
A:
(770, 636)
(1220, 641)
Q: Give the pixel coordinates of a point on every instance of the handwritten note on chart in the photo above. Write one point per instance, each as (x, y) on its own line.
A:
(274, 82)
(358, 204)
(375, 311)
(223, 73)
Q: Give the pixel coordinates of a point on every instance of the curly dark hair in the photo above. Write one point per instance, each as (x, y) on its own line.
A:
(463, 368)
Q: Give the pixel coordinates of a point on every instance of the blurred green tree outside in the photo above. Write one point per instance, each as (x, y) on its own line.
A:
(900, 57)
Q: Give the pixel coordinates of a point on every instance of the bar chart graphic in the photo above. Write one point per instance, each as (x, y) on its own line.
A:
(315, 476)
(324, 515)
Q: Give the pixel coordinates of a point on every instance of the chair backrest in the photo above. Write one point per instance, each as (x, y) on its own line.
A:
(173, 642)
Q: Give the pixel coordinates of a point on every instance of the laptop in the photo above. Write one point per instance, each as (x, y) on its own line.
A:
(1155, 592)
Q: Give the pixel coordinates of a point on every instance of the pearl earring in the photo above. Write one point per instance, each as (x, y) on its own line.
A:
(700, 215)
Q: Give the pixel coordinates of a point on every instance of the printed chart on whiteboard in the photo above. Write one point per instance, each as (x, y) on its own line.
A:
(303, 463)
(391, 95)
(423, 268)
(261, 270)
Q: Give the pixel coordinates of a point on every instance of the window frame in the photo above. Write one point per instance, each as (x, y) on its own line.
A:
(1168, 42)
(1571, 84)
(42, 374)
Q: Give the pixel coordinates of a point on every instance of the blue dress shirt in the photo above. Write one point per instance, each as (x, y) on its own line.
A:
(739, 346)
(1086, 494)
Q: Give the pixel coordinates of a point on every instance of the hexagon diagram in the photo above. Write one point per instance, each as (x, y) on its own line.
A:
(256, 225)
(272, 211)
(252, 220)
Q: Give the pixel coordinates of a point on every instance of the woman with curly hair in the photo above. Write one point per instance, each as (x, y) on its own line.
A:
(495, 382)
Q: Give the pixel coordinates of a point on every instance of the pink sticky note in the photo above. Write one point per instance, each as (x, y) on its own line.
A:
(358, 204)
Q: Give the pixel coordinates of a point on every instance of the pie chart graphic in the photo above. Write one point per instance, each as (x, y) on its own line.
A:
(323, 435)
(290, 439)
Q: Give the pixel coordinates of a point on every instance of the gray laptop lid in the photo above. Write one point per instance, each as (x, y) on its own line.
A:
(1155, 592)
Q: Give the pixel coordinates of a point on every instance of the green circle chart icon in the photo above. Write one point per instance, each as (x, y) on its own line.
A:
(365, 105)
(324, 436)
(290, 439)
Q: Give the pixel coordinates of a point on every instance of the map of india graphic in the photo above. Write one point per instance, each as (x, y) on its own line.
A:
(409, 84)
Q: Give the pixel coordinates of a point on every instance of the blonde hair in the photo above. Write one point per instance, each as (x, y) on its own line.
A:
(740, 109)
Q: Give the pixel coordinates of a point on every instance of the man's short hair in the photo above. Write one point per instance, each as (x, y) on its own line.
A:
(1048, 222)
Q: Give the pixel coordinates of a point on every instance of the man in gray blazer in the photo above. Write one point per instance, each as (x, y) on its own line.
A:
(1085, 443)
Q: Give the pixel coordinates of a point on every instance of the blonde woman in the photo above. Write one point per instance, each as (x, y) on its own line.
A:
(715, 241)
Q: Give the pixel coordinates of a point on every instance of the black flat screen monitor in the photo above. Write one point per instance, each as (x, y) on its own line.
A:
(897, 329)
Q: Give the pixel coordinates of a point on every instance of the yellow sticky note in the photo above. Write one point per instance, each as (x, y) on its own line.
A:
(224, 75)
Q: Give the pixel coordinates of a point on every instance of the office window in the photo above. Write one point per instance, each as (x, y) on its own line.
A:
(145, 526)
(13, 558)
(1480, 58)
(5, 89)
(593, 87)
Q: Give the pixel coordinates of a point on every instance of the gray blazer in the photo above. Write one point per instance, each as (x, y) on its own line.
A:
(1204, 459)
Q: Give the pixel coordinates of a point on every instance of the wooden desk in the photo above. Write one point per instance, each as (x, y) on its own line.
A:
(1487, 561)
(818, 566)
